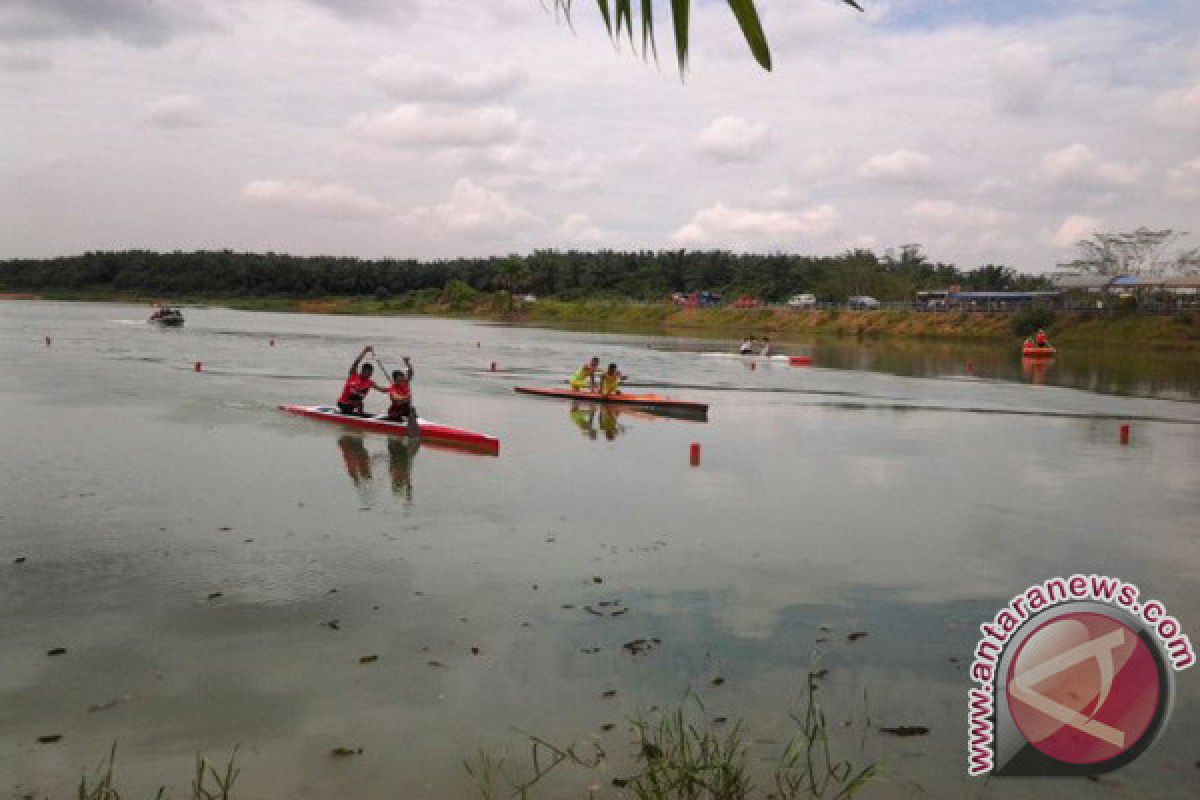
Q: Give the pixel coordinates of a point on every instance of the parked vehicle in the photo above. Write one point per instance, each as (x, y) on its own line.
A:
(802, 301)
(696, 299)
(863, 303)
(746, 301)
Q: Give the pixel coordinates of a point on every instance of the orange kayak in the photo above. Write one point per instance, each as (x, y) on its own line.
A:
(645, 400)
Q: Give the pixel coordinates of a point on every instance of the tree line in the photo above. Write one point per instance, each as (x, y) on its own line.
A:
(642, 275)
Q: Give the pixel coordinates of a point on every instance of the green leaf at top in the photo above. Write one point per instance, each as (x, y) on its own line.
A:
(747, 17)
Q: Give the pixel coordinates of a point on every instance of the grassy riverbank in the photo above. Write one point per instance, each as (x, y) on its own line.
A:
(1159, 332)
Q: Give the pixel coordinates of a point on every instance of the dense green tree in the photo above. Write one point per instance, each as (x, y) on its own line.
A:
(640, 275)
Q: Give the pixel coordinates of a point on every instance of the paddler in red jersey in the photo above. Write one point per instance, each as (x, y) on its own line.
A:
(358, 384)
(400, 392)
(1041, 338)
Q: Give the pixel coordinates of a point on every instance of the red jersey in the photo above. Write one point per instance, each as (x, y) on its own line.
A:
(400, 392)
(356, 388)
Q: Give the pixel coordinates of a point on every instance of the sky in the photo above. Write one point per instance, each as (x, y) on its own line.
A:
(987, 132)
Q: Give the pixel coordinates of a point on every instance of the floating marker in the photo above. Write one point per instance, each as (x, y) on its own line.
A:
(695, 454)
(493, 366)
(799, 361)
(272, 343)
(199, 366)
(47, 341)
(753, 366)
(1125, 433)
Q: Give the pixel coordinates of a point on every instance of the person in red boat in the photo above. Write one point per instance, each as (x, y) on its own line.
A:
(1042, 339)
(358, 385)
(400, 392)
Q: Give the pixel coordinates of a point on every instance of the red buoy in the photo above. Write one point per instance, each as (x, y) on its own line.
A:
(753, 366)
(272, 343)
(493, 366)
(1125, 433)
(695, 454)
(199, 366)
(799, 361)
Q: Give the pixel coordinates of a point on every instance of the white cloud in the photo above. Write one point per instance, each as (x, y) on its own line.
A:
(1079, 166)
(818, 166)
(730, 138)
(1179, 108)
(23, 61)
(577, 229)
(413, 81)
(318, 199)
(1021, 78)
(1073, 229)
(521, 167)
(901, 165)
(178, 111)
(1183, 182)
(720, 225)
(372, 10)
(966, 96)
(425, 127)
(474, 211)
(947, 212)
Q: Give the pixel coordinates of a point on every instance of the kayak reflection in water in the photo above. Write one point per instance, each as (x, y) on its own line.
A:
(592, 419)
(358, 465)
(608, 423)
(584, 417)
(401, 454)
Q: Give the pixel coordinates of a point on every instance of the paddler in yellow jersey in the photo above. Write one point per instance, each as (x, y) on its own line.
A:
(610, 381)
(585, 376)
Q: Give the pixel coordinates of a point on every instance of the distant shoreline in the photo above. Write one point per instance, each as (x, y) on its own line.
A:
(1157, 332)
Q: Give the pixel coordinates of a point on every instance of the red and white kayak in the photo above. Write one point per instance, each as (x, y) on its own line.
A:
(645, 400)
(1038, 352)
(431, 432)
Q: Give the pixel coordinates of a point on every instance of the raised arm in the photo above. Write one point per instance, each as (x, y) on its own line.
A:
(357, 361)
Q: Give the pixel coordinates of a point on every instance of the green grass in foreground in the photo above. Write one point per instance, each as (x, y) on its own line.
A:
(680, 754)
(208, 783)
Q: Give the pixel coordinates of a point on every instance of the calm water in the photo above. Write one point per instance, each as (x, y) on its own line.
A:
(905, 491)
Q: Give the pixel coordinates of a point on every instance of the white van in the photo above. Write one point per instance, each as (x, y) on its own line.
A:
(802, 301)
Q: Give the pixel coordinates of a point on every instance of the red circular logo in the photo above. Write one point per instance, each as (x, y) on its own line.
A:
(1083, 688)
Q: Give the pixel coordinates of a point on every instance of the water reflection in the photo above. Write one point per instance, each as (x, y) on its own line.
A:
(1129, 371)
(401, 453)
(1035, 369)
(604, 419)
(594, 418)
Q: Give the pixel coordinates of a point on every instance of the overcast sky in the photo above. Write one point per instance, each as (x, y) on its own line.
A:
(987, 131)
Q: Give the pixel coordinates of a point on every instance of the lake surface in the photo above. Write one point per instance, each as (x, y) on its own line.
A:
(906, 491)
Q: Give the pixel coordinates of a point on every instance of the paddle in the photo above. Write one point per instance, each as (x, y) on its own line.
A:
(414, 427)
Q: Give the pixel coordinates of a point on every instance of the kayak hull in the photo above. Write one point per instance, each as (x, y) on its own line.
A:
(644, 400)
(431, 432)
(1038, 352)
